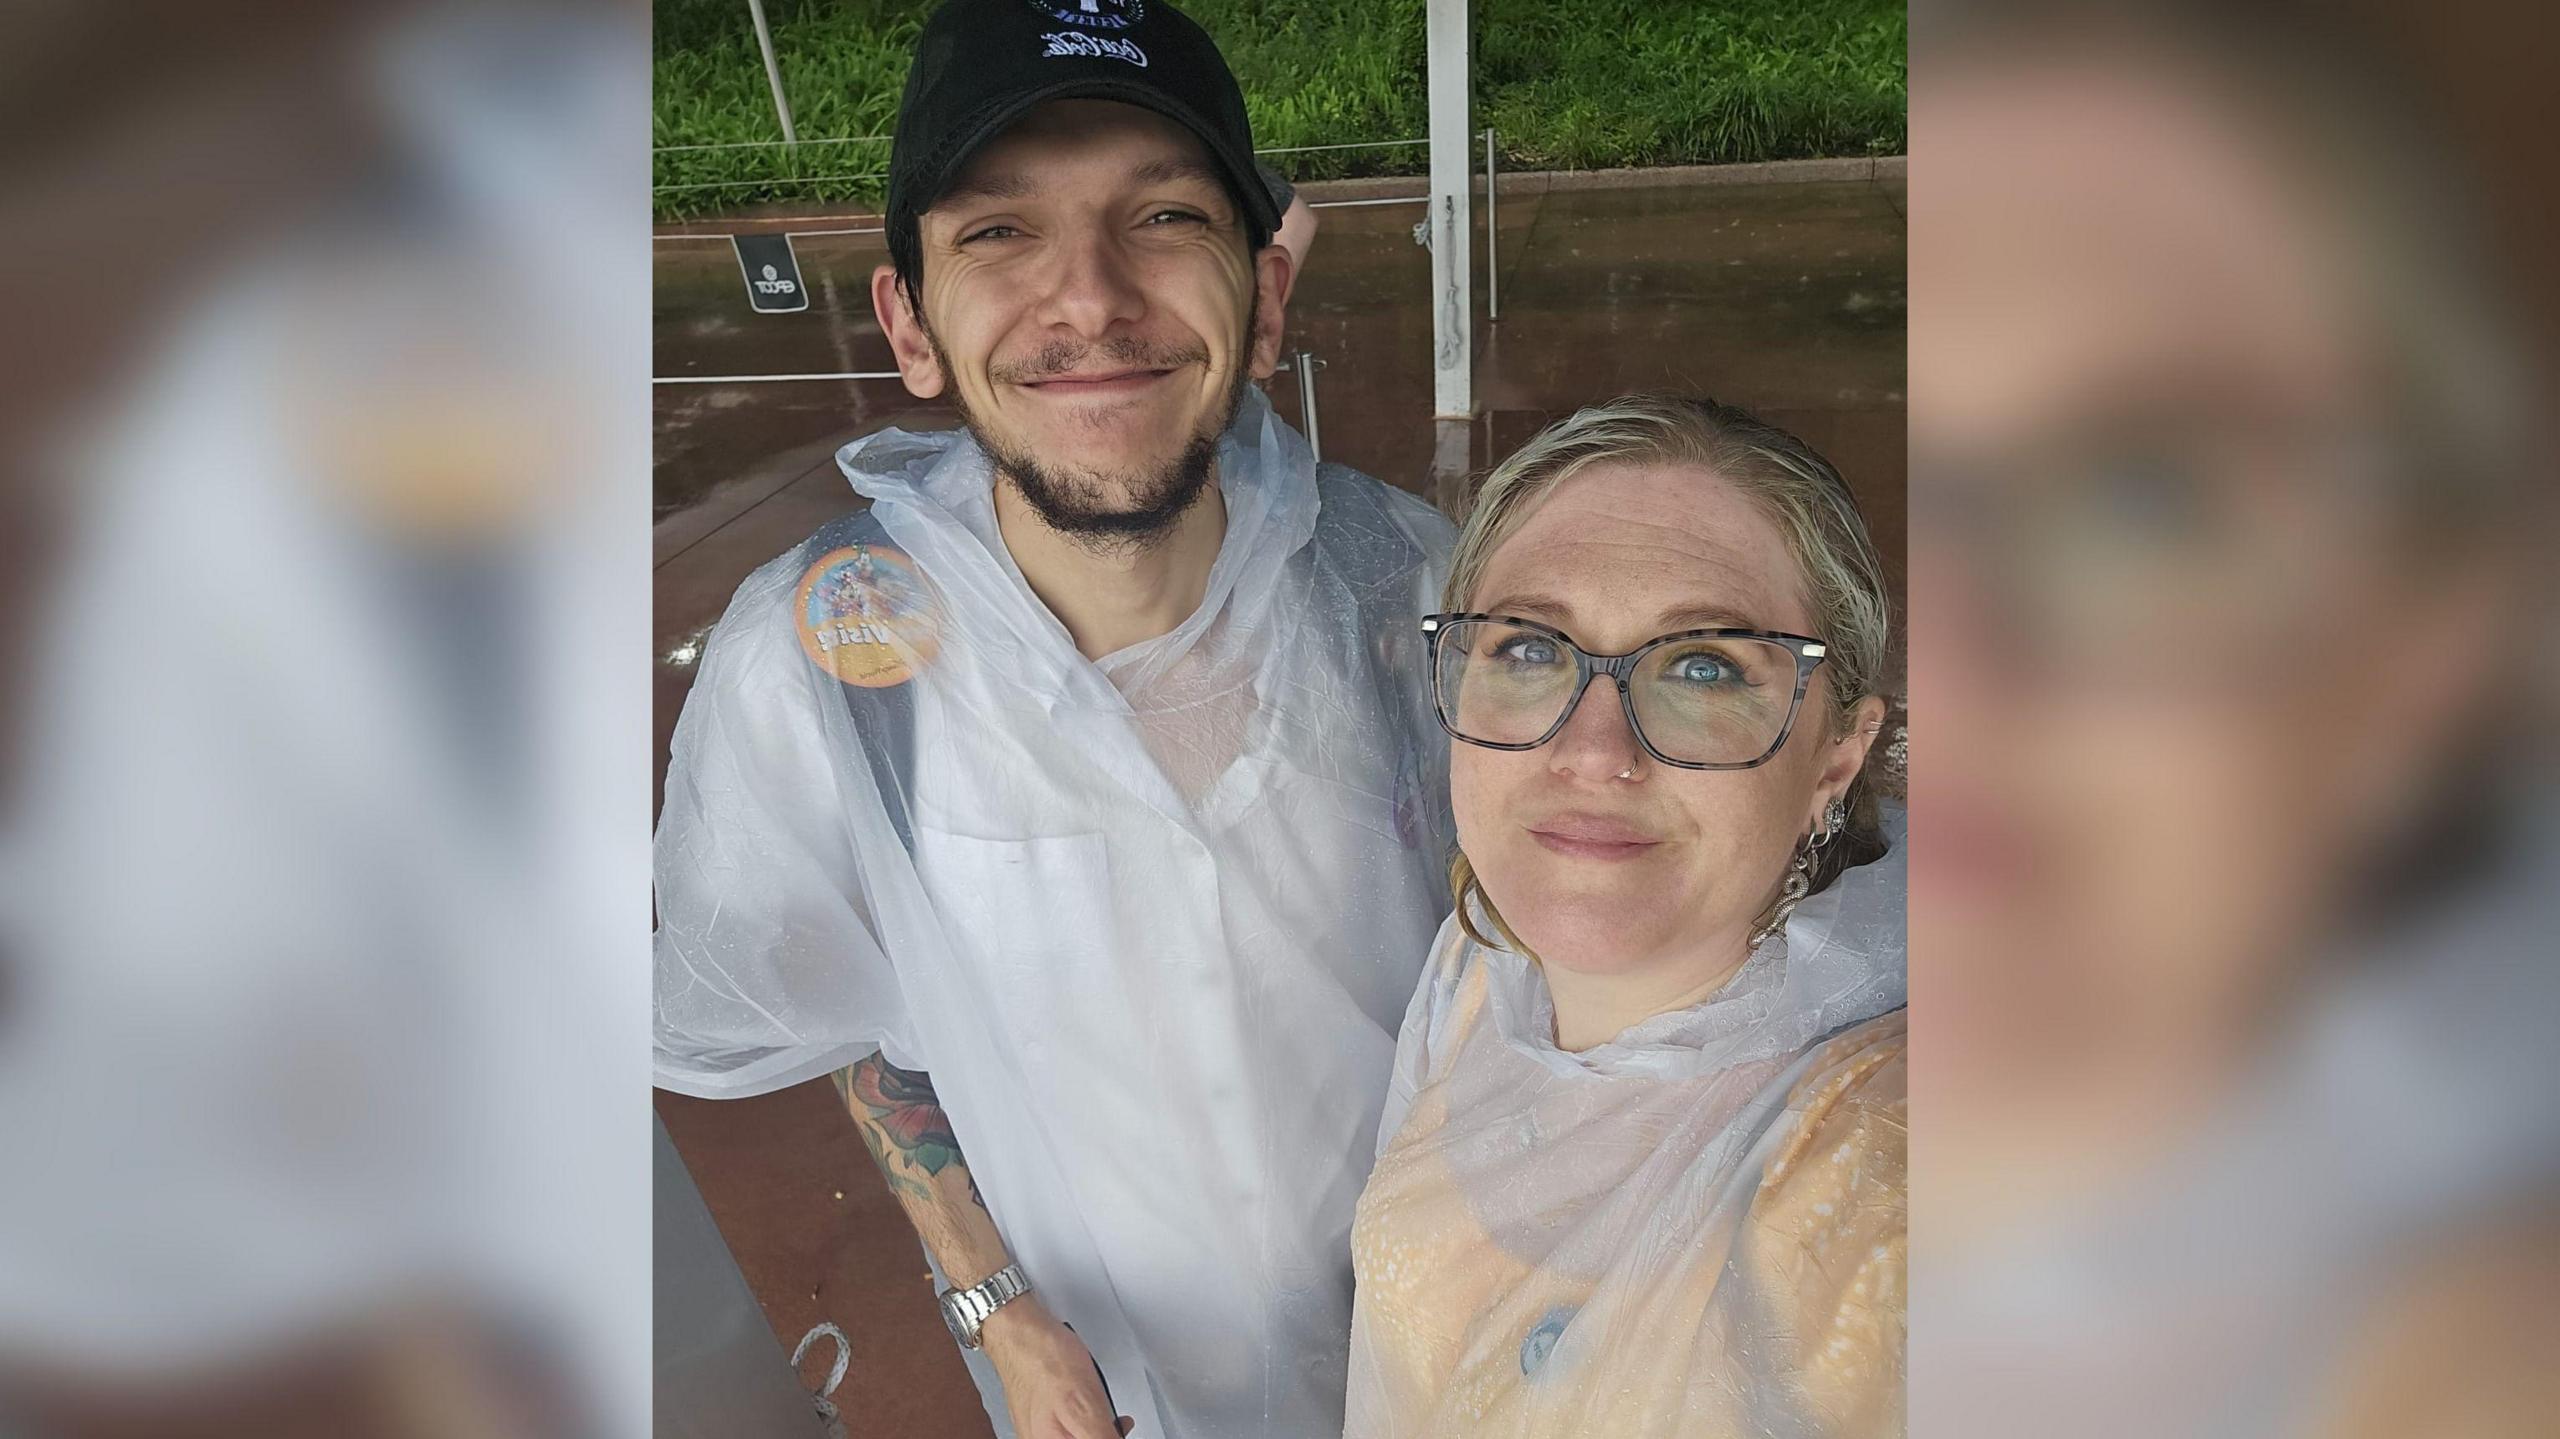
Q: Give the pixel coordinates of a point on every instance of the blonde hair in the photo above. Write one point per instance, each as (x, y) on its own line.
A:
(1798, 489)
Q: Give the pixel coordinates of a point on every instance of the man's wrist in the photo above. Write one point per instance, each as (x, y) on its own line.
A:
(1010, 1324)
(967, 1308)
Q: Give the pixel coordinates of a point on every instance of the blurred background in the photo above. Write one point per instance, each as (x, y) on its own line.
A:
(323, 849)
(323, 807)
(2233, 824)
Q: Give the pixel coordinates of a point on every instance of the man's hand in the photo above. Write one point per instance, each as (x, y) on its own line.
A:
(1050, 1382)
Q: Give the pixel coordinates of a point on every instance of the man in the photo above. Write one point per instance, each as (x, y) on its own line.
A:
(1082, 795)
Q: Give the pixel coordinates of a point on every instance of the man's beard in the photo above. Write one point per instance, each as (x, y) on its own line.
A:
(1107, 512)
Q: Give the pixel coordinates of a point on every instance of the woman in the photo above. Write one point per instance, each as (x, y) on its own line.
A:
(1641, 1170)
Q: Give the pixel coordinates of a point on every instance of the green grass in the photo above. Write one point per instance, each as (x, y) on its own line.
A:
(1580, 84)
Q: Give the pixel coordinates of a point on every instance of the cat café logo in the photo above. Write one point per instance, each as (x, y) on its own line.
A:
(774, 284)
(1095, 14)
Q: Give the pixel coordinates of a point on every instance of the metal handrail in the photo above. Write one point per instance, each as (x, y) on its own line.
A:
(1304, 365)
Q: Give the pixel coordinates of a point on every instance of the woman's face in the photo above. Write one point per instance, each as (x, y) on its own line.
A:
(1669, 866)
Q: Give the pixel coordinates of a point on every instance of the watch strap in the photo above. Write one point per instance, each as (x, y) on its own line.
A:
(967, 1310)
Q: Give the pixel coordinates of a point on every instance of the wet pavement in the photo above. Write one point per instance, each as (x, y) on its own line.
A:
(1785, 298)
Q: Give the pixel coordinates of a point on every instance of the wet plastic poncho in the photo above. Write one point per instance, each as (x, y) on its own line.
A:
(1149, 922)
(1695, 1230)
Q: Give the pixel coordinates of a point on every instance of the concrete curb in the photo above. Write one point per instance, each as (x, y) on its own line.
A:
(1381, 187)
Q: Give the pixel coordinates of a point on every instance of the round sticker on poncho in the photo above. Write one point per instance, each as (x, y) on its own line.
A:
(868, 616)
(1542, 1341)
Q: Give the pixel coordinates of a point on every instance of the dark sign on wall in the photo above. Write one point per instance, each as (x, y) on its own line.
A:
(773, 274)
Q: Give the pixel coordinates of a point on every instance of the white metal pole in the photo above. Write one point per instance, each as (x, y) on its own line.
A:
(773, 73)
(1307, 367)
(1452, 183)
(1492, 235)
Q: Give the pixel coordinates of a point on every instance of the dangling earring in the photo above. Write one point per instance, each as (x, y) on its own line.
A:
(1799, 881)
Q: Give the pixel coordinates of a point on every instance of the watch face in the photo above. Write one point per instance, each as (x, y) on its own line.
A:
(954, 1318)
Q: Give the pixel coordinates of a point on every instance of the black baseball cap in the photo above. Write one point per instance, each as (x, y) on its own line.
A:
(982, 64)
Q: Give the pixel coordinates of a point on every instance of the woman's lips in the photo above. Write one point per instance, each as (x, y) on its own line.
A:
(1592, 837)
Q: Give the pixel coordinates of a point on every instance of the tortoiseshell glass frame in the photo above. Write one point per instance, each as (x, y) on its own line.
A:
(1808, 651)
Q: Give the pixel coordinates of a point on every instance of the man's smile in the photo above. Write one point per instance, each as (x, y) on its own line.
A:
(1098, 384)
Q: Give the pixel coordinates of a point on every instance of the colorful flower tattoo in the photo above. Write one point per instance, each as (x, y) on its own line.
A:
(903, 1122)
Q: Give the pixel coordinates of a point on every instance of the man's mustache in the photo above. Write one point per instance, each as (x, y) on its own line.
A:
(1067, 357)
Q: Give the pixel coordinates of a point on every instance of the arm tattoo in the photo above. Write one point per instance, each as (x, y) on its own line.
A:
(903, 1123)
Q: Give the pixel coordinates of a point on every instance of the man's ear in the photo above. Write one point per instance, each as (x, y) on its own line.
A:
(1271, 270)
(908, 343)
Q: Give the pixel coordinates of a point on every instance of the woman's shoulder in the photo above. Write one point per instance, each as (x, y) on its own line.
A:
(1830, 1227)
(1435, 1021)
(1849, 1104)
(1451, 991)
(1860, 1065)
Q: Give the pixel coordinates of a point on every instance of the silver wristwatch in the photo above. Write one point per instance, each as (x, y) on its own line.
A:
(966, 1310)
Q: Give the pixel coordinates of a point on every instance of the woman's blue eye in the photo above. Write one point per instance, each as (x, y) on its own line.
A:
(1703, 670)
(1528, 650)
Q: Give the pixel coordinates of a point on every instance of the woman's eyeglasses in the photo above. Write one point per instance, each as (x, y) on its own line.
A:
(1698, 699)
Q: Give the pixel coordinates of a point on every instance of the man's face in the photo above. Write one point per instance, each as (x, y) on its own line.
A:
(1089, 299)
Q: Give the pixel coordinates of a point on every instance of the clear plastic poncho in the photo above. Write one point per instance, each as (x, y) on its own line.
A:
(1149, 922)
(1698, 1229)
